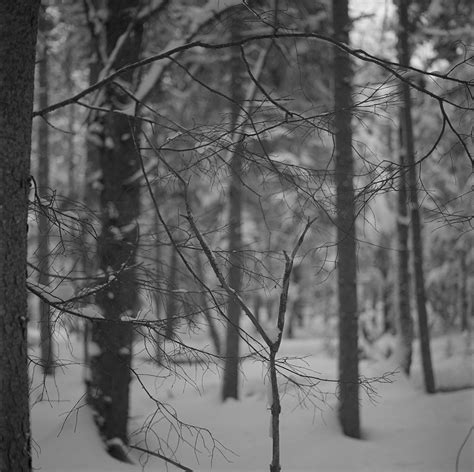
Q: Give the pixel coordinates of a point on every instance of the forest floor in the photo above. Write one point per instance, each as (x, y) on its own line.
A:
(404, 429)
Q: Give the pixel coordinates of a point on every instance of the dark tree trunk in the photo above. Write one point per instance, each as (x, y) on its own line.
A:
(158, 294)
(91, 201)
(46, 329)
(172, 302)
(404, 319)
(231, 368)
(383, 263)
(417, 244)
(110, 361)
(346, 244)
(463, 299)
(18, 27)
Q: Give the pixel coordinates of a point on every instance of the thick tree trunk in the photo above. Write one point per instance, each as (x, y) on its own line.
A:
(346, 244)
(417, 244)
(18, 27)
(230, 387)
(46, 329)
(110, 360)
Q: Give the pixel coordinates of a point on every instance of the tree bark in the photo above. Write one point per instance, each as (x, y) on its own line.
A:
(404, 319)
(46, 329)
(18, 28)
(172, 301)
(463, 298)
(230, 388)
(110, 361)
(417, 244)
(346, 244)
(158, 292)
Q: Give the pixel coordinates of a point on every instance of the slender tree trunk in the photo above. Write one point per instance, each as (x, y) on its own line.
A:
(119, 201)
(346, 244)
(158, 296)
(231, 369)
(91, 201)
(71, 117)
(171, 298)
(275, 410)
(383, 264)
(46, 329)
(463, 300)
(417, 244)
(205, 308)
(404, 319)
(18, 28)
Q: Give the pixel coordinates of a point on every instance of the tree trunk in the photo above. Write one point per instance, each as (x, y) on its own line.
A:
(158, 293)
(205, 308)
(71, 118)
(90, 193)
(404, 319)
(119, 201)
(231, 367)
(171, 297)
(409, 151)
(46, 331)
(346, 244)
(462, 297)
(18, 28)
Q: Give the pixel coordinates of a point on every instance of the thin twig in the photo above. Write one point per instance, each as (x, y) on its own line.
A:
(157, 454)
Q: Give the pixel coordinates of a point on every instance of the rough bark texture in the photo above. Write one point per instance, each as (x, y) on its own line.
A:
(18, 27)
(110, 361)
(346, 244)
(46, 331)
(417, 244)
(404, 319)
(230, 387)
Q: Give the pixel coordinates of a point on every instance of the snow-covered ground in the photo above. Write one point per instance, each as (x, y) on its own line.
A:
(404, 429)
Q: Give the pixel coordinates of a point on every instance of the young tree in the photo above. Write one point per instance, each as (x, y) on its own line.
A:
(346, 243)
(18, 28)
(407, 148)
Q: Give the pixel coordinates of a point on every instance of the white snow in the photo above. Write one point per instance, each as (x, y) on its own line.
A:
(273, 333)
(94, 349)
(124, 351)
(404, 428)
